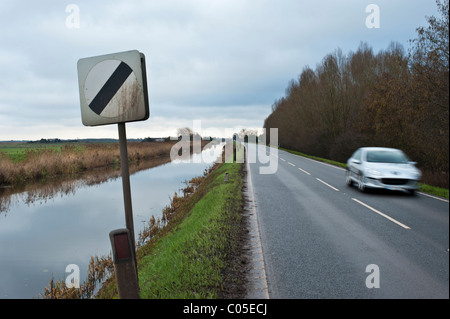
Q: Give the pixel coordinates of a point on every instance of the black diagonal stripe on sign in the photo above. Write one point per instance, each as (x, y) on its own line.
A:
(110, 88)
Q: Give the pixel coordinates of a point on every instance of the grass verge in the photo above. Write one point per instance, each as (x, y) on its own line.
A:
(196, 255)
(191, 261)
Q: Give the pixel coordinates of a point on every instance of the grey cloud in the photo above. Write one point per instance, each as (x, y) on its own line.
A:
(203, 57)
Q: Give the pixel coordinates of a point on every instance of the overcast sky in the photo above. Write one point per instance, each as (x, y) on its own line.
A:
(223, 62)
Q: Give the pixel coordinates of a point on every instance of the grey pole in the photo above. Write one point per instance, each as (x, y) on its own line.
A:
(126, 181)
(123, 272)
(126, 186)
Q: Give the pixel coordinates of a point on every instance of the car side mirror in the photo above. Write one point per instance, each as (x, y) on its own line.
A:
(412, 163)
(356, 161)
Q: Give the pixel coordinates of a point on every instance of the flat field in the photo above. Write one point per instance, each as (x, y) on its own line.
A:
(23, 162)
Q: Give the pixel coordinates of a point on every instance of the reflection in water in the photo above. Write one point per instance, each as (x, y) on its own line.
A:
(47, 226)
(42, 191)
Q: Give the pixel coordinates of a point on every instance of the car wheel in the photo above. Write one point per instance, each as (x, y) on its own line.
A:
(348, 179)
(361, 185)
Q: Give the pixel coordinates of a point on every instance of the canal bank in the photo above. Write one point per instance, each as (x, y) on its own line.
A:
(201, 252)
(46, 227)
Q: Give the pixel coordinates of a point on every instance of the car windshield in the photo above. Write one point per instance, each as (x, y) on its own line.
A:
(386, 156)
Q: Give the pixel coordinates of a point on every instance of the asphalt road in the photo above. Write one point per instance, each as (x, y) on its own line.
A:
(323, 239)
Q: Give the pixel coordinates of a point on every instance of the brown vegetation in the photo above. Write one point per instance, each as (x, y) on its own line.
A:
(73, 159)
(389, 99)
(157, 224)
(99, 269)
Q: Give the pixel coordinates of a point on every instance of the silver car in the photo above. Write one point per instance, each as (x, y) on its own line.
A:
(381, 167)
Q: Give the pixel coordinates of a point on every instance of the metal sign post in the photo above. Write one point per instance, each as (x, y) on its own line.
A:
(126, 181)
(124, 276)
(113, 89)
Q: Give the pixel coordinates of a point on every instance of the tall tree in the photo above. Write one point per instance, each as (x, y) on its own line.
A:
(429, 59)
(387, 99)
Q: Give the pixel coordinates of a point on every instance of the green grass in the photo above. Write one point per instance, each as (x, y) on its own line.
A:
(437, 191)
(18, 151)
(429, 189)
(16, 155)
(191, 257)
(190, 261)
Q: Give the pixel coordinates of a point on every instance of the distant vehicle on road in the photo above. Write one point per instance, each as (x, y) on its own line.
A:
(384, 168)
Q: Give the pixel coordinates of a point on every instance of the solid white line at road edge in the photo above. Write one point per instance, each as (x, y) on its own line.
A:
(380, 213)
(263, 279)
(428, 195)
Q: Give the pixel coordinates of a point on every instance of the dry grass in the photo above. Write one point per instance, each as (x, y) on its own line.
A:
(73, 159)
(168, 212)
(99, 268)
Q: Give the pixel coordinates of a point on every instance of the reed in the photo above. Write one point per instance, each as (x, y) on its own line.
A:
(99, 269)
(197, 254)
(41, 163)
(155, 225)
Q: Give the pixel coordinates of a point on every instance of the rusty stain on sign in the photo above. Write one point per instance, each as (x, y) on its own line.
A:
(113, 88)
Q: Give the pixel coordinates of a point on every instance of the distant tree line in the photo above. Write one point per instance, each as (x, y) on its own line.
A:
(47, 141)
(392, 99)
(156, 139)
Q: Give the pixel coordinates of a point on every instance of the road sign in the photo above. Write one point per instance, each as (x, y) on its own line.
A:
(113, 88)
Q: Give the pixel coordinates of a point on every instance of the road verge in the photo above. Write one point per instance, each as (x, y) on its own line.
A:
(198, 252)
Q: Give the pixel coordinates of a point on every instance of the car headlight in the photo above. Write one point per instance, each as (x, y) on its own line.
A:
(370, 171)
